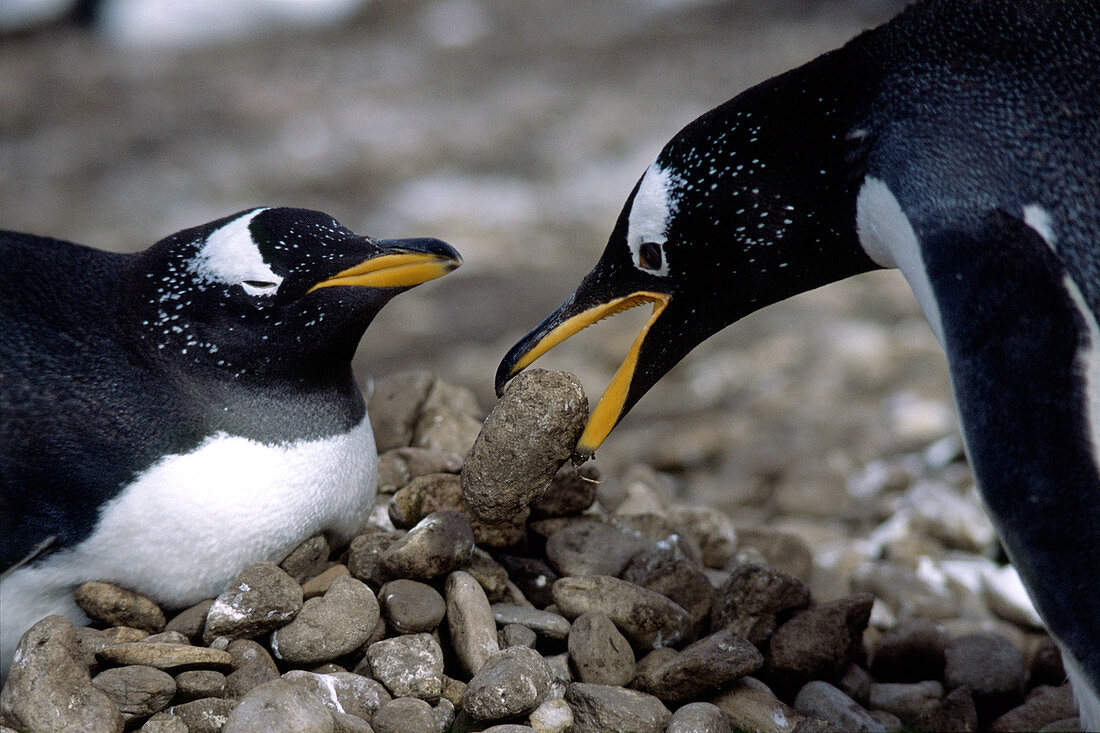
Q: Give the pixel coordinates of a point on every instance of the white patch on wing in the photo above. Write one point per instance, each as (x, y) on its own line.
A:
(189, 523)
(1039, 219)
(650, 214)
(231, 256)
(889, 239)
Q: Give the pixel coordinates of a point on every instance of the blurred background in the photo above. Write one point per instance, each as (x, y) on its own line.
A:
(515, 131)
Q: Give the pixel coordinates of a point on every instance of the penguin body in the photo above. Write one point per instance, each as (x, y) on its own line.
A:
(960, 143)
(171, 416)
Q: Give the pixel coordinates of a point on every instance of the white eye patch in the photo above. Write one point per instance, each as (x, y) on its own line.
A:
(652, 211)
(231, 256)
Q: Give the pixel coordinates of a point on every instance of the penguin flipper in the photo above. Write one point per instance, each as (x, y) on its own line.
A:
(1023, 351)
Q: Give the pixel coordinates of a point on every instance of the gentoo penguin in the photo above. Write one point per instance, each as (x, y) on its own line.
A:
(960, 143)
(169, 417)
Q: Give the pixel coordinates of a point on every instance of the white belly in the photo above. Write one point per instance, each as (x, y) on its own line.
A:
(187, 525)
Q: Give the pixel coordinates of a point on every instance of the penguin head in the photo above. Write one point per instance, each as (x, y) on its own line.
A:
(732, 216)
(272, 292)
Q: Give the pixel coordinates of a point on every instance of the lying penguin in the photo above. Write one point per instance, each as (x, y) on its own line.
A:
(959, 143)
(172, 416)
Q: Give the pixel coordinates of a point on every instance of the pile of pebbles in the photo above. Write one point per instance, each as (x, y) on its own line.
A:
(504, 592)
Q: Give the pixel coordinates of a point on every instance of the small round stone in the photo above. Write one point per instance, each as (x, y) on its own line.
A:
(512, 682)
(198, 683)
(329, 626)
(259, 600)
(410, 606)
(404, 715)
(116, 606)
(647, 618)
(598, 652)
(438, 544)
(138, 691)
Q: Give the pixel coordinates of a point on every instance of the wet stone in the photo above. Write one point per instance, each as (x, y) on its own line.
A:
(330, 626)
(598, 652)
(114, 606)
(409, 666)
(438, 544)
(511, 682)
(598, 708)
(261, 599)
(138, 691)
(544, 623)
(531, 431)
(410, 606)
(648, 619)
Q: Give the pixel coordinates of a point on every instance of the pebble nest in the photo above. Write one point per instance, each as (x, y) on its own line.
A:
(525, 594)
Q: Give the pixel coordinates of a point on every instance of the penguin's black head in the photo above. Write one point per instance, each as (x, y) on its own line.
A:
(738, 211)
(272, 292)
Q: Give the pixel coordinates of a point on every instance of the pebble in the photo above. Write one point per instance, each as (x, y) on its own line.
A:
(512, 682)
(822, 700)
(307, 559)
(990, 666)
(198, 683)
(711, 529)
(394, 407)
(712, 663)
(166, 637)
(516, 635)
(911, 652)
(470, 620)
(207, 715)
(699, 717)
(365, 554)
(443, 491)
(259, 600)
(601, 708)
(677, 579)
(319, 584)
(754, 597)
(438, 544)
(532, 576)
(1004, 593)
(907, 700)
(330, 626)
(252, 665)
(530, 432)
(571, 491)
(48, 689)
(544, 623)
(818, 643)
(138, 691)
(176, 657)
(955, 712)
(598, 652)
(279, 707)
(449, 419)
(409, 665)
(552, 716)
(164, 723)
(647, 618)
(490, 574)
(410, 606)
(782, 550)
(509, 728)
(1044, 705)
(399, 466)
(749, 707)
(405, 715)
(113, 606)
(342, 692)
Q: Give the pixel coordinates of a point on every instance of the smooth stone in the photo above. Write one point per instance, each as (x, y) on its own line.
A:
(307, 559)
(822, 700)
(207, 715)
(676, 578)
(907, 700)
(598, 652)
(114, 606)
(319, 584)
(164, 656)
(470, 620)
(544, 623)
(552, 716)
(409, 666)
(191, 621)
(443, 491)
(166, 637)
(516, 635)
(365, 554)
(342, 692)
(198, 683)
(279, 707)
(405, 715)
(399, 466)
(754, 597)
(529, 433)
(699, 717)
(48, 689)
(489, 573)
(439, 544)
(411, 607)
(592, 548)
(750, 707)
(709, 664)
(337, 623)
(647, 618)
(512, 682)
(252, 665)
(509, 728)
(138, 691)
(601, 708)
(259, 600)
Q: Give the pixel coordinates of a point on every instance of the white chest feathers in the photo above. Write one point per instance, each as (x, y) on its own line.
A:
(188, 524)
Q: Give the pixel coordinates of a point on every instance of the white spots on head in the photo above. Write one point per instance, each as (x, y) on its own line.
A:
(1039, 219)
(230, 255)
(654, 206)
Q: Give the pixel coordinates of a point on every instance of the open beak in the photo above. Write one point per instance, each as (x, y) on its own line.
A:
(403, 263)
(573, 316)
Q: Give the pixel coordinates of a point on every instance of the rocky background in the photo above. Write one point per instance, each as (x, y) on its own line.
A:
(815, 439)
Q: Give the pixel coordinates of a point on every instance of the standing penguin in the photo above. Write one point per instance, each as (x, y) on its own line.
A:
(172, 416)
(959, 143)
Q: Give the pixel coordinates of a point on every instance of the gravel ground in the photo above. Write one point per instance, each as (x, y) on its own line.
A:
(515, 131)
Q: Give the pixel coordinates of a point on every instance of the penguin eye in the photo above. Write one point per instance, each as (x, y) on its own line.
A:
(259, 287)
(649, 256)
